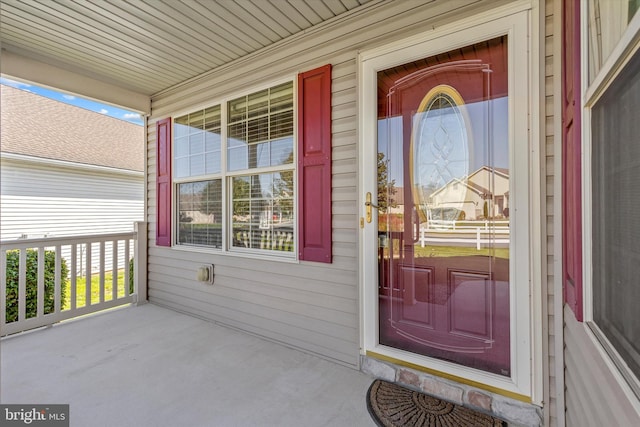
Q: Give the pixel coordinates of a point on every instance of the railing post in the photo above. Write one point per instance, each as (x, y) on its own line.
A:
(40, 298)
(3, 289)
(478, 246)
(140, 262)
(22, 285)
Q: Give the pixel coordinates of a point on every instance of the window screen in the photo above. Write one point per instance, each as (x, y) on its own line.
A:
(616, 214)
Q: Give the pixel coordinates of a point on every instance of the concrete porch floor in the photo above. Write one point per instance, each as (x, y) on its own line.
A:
(150, 366)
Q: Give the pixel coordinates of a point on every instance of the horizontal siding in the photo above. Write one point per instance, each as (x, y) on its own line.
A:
(310, 306)
(50, 216)
(593, 397)
(29, 179)
(38, 201)
(308, 277)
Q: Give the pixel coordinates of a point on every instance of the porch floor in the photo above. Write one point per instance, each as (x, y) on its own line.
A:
(150, 366)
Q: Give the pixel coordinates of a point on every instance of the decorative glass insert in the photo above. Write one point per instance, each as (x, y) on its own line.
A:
(262, 213)
(200, 213)
(440, 147)
(260, 129)
(197, 143)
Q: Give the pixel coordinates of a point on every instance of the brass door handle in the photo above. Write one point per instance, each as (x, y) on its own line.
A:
(369, 205)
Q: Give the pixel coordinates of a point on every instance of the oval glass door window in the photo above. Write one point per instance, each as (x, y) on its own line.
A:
(440, 148)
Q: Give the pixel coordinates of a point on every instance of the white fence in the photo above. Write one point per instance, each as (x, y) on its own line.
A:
(27, 308)
(480, 233)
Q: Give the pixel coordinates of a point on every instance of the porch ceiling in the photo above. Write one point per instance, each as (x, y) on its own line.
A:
(146, 46)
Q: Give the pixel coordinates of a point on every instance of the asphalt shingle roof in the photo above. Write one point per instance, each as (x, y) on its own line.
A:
(36, 126)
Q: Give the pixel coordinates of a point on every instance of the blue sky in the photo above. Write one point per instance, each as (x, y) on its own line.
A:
(108, 110)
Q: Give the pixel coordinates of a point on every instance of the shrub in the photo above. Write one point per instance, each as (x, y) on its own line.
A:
(12, 271)
(131, 269)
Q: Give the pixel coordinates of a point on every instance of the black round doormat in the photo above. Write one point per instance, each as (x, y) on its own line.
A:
(391, 405)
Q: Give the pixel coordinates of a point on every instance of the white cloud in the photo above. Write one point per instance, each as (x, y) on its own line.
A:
(104, 111)
(131, 116)
(69, 97)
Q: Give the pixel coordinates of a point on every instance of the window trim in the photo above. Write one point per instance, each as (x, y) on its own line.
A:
(225, 175)
(627, 46)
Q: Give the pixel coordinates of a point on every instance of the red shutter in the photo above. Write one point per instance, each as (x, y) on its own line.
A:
(163, 182)
(314, 165)
(571, 160)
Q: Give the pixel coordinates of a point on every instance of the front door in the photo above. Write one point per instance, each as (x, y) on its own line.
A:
(443, 207)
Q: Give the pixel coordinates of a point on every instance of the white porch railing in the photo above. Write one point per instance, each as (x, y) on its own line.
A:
(26, 308)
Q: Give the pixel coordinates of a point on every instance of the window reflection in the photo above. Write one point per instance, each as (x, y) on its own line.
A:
(261, 125)
(608, 20)
(200, 213)
(263, 211)
(255, 180)
(196, 139)
(444, 196)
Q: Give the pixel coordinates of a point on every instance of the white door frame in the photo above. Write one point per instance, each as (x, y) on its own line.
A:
(519, 21)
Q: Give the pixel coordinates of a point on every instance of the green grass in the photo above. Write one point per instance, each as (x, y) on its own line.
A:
(449, 251)
(81, 287)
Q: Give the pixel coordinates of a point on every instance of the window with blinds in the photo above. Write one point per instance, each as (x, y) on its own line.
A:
(260, 129)
(197, 143)
(255, 180)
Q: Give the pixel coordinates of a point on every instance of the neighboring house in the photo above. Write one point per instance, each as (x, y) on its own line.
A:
(486, 186)
(65, 170)
(545, 332)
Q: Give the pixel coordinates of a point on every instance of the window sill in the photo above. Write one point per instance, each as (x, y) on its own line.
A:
(292, 259)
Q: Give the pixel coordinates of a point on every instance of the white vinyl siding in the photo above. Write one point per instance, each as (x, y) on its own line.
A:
(310, 306)
(594, 394)
(39, 200)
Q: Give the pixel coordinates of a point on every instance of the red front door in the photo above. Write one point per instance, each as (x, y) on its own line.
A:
(443, 192)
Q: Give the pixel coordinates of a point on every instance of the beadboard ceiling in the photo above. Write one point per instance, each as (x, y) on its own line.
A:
(147, 46)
